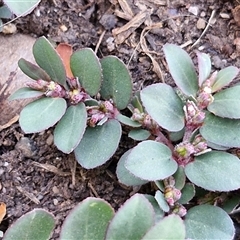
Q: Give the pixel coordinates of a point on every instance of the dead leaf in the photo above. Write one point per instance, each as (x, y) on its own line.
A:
(65, 51)
(236, 14)
(125, 31)
(2, 211)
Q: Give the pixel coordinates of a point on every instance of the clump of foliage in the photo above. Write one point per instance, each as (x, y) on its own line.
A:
(188, 136)
(78, 93)
(187, 139)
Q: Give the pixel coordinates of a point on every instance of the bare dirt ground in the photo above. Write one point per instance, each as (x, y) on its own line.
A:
(33, 173)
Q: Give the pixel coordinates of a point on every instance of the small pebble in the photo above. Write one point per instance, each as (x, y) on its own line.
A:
(217, 62)
(224, 15)
(193, 10)
(55, 201)
(10, 28)
(49, 140)
(55, 190)
(25, 146)
(201, 24)
(202, 14)
(63, 28)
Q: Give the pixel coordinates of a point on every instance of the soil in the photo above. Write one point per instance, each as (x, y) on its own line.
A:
(33, 173)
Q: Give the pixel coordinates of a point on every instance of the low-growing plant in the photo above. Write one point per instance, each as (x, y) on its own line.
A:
(139, 218)
(188, 134)
(78, 93)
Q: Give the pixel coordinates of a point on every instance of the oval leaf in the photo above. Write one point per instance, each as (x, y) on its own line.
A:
(124, 176)
(164, 106)
(70, 128)
(20, 7)
(117, 83)
(86, 66)
(88, 220)
(164, 229)
(208, 222)
(49, 60)
(98, 144)
(161, 201)
(188, 192)
(32, 71)
(25, 92)
(226, 103)
(224, 77)
(151, 161)
(42, 114)
(132, 220)
(127, 121)
(139, 134)
(215, 171)
(181, 68)
(204, 67)
(37, 224)
(180, 178)
(221, 131)
(5, 12)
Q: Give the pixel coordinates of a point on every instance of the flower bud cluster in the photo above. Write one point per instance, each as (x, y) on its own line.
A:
(39, 85)
(193, 115)
(55, 90)
(205, 95)
(179, 209)
(172, 195)
(144, 119)
(77, 95)
(97, 115)
(185, 150)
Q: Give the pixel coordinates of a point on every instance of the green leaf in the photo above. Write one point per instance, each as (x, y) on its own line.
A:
(136, 103)
(215, 171)
(225, 77)
(159, 214)
(188, 192)
(88, 220)
(132, 220)
(42, 114)
(151, 161)
(32, 71)
(86, 66)
(180, 178)
(25, 92)
(49, 60)
(117, 83)
(226, 103)
(139, 134)
(20, 7)
(162, 201)
(124, 176)
(5, 12)
(204, 67)
(221, 131)
(164, 106)
(181, 68)
(208, 222)
(98, 144)
(127, 121)
(70, 129)
(37, 224)
(170, 227)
